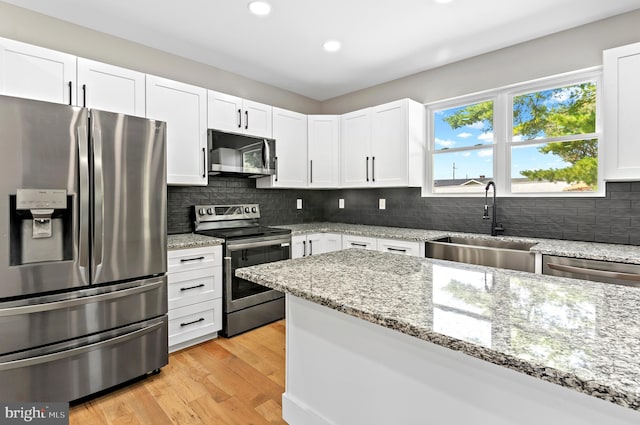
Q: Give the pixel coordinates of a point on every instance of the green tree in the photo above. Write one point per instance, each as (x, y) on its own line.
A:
(549, 113)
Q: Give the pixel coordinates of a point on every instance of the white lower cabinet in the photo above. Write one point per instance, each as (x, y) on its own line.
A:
(362, 242)
(194, 295)
(395, 246)
(314, 244)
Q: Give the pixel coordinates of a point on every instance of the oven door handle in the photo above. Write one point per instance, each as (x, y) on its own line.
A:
(256, 244)
(227, 273)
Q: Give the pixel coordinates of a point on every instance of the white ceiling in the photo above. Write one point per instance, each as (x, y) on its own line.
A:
(381, 39)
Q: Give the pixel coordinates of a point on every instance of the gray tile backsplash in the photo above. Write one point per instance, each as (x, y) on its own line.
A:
(612, 219)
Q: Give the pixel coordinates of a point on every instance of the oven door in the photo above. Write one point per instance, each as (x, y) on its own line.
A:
(240, 293)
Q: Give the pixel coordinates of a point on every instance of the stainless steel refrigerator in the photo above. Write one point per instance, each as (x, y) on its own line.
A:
(83, 287)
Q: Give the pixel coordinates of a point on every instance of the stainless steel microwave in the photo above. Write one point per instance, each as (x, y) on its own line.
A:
(237, 154)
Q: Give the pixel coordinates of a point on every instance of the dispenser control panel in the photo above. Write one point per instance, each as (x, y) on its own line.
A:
(30, 199)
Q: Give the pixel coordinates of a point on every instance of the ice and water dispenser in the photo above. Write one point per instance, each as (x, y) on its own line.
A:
(41, 226)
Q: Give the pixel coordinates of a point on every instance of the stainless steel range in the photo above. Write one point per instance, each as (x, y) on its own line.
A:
(246, 305)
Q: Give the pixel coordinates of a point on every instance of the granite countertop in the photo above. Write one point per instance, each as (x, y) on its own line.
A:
(578, 334)
(588, 250)
(191, 240)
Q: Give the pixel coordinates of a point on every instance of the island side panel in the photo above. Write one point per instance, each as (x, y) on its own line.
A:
(344, 370)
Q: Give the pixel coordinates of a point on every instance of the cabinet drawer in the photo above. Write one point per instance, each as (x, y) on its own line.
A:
(180, 260)
(194, 286)
(195, 320)
(362, 242)
(400, 247)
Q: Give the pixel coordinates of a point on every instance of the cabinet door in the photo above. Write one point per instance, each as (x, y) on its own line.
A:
(362, 242)
(332, 242)
(355, 149)
(324, 150)
(110, 88)
(36, 73)
(315, 244)
(183, 107)
(224, 112)
(257, 119)
(290, 132)
(298, 246)
(389, 145)
(621, 75)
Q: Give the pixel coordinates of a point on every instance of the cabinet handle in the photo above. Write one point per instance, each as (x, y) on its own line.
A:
(311, 171)
(239, 118)
(310, 247)
(246, 120)
(304, 248)
(191, 323)
(361, 245)
(373, 168)
(396, 249)
(84, 95)
(367, 168)
(275, 159)
(70, 93)
(192, 287)
(204, 163)
(185, 260)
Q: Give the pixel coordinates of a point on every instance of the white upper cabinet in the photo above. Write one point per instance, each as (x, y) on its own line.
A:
(324, 150)
(383, 145)
(355, 148)
(184, 108)
(237, 115)
(290, 133)
(36, 73)
(110, 88)
(621, 108)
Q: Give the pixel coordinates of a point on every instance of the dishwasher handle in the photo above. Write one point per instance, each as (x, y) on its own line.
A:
(595, 272)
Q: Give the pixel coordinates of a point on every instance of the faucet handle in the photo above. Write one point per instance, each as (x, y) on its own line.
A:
(485, 214)
(499, 228)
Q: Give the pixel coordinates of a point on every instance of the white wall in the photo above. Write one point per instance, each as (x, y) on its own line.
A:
(30, 27)
(565, 51)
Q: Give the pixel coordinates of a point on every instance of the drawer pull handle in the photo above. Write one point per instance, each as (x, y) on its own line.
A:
(191, 323)
(595, 272)
(396, 249)
(362, 245)
(192, 287)
(185, 260)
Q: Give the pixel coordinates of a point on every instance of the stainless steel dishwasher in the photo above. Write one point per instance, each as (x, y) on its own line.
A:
(596, 270)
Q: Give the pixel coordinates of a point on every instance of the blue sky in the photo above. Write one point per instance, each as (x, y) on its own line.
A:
(474, 163)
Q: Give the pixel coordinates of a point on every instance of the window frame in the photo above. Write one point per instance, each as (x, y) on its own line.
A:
(503, 133)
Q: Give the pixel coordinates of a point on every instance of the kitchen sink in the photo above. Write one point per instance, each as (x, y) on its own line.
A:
(504, 254)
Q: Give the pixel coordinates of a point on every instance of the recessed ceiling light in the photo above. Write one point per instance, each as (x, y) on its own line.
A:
(259, 8)
(331, 46)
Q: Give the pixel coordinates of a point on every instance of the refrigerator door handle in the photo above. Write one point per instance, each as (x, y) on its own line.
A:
(58, 305)
(98, 205)
(83, 201)
(46, 358)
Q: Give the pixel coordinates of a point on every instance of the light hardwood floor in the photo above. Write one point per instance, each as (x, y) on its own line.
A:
(223, 381)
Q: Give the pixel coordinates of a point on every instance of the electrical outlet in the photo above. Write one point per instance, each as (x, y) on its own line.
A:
(382, 203)
(340, 203)
(299, 204)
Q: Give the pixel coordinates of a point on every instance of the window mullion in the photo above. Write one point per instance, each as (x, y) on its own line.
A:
(501, 124)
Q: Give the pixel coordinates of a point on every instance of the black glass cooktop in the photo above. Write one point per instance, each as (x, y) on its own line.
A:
(244, 232)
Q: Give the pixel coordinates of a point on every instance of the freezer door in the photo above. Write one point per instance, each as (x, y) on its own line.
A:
(129, 197)
(43, 151)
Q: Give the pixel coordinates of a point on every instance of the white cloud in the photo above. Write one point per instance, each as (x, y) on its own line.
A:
(478, 125)
(445, 143)
(518, 138)
(486, 137)
(485, 152)
(464, 135)
(466, 154)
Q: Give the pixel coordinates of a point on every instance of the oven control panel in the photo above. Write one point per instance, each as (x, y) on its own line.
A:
(226, 212)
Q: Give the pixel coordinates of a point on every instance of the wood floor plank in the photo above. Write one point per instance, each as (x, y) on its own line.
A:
(236, 381)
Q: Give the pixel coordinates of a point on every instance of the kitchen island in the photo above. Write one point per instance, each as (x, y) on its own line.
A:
(379, 338)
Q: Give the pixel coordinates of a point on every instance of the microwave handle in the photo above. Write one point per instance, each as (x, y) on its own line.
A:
(266, 155)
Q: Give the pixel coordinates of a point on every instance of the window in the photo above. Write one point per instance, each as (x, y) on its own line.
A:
(537, 138)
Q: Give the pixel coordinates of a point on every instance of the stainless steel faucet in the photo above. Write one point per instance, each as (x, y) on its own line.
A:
(495, 227)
